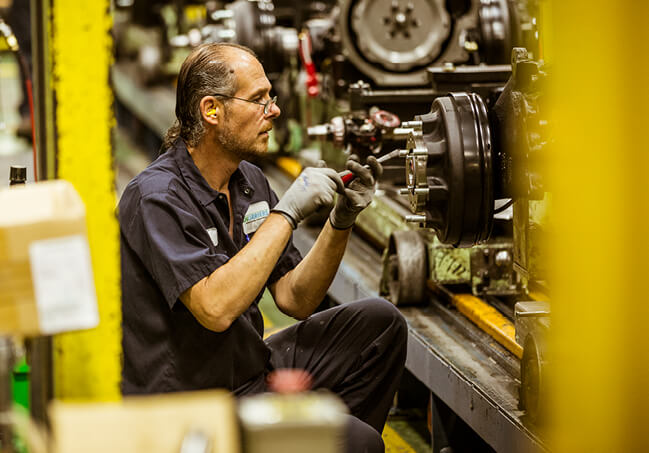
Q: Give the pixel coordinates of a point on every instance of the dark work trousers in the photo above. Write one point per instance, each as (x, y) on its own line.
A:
(356, 350)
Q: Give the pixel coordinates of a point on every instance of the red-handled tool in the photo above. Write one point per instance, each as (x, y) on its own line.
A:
(347, 176)
(312, 88)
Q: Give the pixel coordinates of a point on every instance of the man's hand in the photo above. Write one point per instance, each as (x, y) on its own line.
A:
(314, 188)
(358, 195)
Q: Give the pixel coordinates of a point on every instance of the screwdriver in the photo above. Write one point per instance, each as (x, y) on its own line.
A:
(347, 176)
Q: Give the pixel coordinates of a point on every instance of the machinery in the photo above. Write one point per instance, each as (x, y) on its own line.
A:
(473, 183)
(460, 157)
(478, 206)
(371, 63)
(464, 209)
(160, 38)
(391, 43)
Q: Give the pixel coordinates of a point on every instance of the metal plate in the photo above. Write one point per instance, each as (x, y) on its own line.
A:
(400, 35)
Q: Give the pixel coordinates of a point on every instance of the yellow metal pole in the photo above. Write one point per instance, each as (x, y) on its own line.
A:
(600, 182)
(87, 364)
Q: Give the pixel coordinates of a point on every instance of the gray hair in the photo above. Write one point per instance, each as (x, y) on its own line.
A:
(204, 72)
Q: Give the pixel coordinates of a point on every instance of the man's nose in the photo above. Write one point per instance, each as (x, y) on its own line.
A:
(274, 111)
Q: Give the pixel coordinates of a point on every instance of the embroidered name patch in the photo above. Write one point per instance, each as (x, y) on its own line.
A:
(255, 216)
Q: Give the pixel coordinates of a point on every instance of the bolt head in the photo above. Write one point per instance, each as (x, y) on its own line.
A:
(503, 258)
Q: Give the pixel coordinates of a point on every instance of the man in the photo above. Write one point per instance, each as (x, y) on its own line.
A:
(203, 234)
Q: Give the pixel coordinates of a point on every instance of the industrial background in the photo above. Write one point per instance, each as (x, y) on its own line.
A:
(509, 227)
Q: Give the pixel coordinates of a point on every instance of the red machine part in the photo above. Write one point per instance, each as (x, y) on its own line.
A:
(312, 87)
(383, 118)
(287, 380)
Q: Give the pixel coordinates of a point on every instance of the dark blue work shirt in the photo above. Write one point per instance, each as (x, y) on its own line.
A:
(174, 232)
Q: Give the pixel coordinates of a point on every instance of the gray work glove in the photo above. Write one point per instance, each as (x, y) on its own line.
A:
(358, 194)
(314, 188)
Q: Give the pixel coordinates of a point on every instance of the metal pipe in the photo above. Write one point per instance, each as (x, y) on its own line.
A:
(6, 394)
(44, 120)
(39, 358)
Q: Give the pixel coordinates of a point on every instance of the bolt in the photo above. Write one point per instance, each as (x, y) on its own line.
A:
(320, 130)
(222, 14)
(449, 67)
(400, 19)
(366, 126)
(412, 124)
(503, 258)
(226, 35)
(415, 218)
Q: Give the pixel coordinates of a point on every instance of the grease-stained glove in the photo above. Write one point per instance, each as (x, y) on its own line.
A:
(314, 188)
(358, 195)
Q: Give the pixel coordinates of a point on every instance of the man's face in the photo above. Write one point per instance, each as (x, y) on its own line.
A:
(244, 131)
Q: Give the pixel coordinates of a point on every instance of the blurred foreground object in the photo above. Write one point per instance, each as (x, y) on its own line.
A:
(313, 421)
(46, 282)
(287, 380)
(197, 422)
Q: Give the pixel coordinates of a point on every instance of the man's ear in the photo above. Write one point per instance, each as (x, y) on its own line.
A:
(210, 109)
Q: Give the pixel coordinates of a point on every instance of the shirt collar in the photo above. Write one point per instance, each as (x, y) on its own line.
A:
(197, 183)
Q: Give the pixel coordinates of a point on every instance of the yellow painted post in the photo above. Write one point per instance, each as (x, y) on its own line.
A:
(600, 183)
(87, 364)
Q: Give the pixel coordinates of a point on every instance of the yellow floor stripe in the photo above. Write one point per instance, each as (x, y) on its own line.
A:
(394, 443)
(289, 166)
(536, 295)
(490, 320)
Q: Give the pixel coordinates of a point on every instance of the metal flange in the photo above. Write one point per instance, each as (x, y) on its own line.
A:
(365, 28)
(400, 35)
(449, 169)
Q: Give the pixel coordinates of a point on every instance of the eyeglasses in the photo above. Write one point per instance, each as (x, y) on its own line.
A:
(266, 104)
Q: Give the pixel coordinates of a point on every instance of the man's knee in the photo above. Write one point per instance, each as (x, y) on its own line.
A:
(382, 313)
(361, 437)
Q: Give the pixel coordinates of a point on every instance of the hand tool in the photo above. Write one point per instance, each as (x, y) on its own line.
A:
(347, 176)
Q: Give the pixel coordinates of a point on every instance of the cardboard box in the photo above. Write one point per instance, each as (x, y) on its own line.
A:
(46, 282)
(160, 424)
